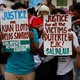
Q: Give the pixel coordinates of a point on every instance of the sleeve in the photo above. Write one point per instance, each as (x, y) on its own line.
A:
(36, 40)
(75, 41)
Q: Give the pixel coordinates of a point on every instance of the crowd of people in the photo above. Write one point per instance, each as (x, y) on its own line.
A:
(34, 65)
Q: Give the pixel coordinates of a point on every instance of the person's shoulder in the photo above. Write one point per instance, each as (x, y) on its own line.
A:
(34, 30)
(74, 34)
(74, 18)
(35, 18)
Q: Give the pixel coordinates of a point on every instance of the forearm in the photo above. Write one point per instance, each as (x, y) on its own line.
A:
(38, 26)
(78, 61)
(34, 47)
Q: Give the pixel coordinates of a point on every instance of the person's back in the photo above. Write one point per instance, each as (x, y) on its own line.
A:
(20, 65)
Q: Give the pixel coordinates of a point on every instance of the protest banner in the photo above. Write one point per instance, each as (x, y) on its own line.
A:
(14, 25)
(57, 28)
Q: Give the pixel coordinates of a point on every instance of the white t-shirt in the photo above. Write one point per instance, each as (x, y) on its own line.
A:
(65, 64)
(38, 59)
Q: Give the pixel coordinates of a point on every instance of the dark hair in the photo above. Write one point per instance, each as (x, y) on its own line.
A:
(12, 0)
(71, 8)
(18, 5)
(31, 10)
(3, 5)
(77, 6)
(55, 11)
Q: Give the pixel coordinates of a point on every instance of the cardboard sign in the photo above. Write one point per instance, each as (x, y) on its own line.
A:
(57, 28)
(15, 28)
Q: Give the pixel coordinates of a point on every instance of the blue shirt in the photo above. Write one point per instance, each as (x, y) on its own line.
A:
(21, 62)
(34, 3)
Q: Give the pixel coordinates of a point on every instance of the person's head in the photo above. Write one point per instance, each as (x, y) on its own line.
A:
(74, 2)
(71, 8)
(49, 1)
(58, 11)
(43, 10)
(19, 6)
(31, 11)
(3, 5)
(77, 9)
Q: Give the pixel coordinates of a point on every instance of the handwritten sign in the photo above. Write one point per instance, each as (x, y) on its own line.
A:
(15, 28)
(57, 28)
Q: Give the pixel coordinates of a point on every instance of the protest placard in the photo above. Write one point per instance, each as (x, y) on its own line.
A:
(57, 28)
(14, 25)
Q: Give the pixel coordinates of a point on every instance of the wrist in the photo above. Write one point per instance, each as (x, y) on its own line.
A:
(31, 40)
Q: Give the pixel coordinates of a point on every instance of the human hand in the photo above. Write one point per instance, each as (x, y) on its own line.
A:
(1, 36)
(41, 28)
(70, 37)
(78, 49)
(31, 35)
(43, 34)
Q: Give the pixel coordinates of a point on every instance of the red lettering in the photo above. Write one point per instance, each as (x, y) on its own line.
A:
(8, 36)
(21, 35)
